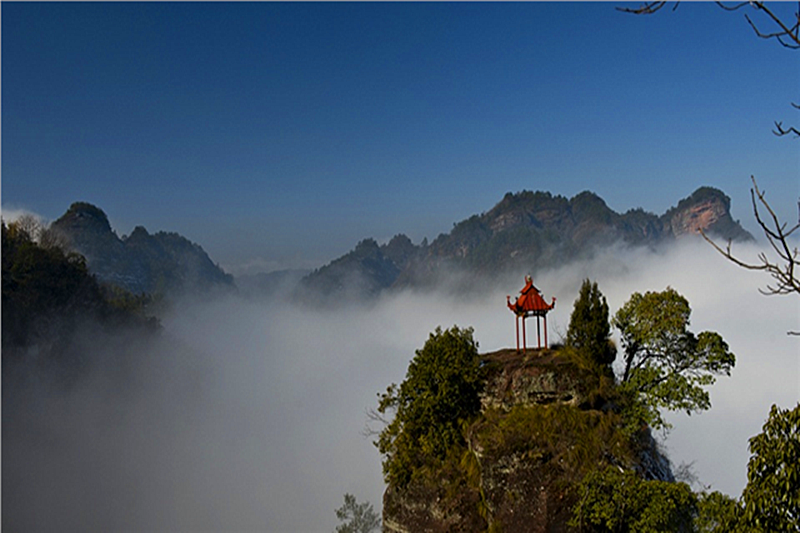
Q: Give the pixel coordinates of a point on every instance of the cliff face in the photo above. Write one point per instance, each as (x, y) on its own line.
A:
(706, 209)
(544, 424)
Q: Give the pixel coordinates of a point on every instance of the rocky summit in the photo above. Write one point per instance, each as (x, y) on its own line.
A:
(546, 421)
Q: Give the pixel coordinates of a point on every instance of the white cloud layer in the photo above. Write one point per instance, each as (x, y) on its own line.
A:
(11, 214)
(249, 415)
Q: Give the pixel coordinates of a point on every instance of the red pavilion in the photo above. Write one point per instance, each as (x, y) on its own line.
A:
(530, 303)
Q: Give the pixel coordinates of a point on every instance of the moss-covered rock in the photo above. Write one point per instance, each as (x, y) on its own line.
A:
(548, 419)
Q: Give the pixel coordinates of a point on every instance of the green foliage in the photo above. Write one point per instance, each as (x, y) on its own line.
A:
(589, 332)
(666, 365)
(440, 392)
(772, 495)
(357, 517)
(46, 291)
(125, 301)
(718, 513)
(610, 500)
(572, 441)
(39, 283)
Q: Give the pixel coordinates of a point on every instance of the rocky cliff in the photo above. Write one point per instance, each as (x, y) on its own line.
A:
(706, 209)
(546, 421)
(157, 263)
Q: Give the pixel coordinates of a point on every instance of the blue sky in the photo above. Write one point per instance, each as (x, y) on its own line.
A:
(278, 135)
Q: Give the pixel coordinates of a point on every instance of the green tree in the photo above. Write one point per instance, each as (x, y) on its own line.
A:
(622, 502)
(357, 517)
(718, 513)
(666, 365)
(589, 331)
(439, 393)
(772, 495)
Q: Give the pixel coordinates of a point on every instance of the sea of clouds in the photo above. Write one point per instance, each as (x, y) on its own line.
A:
(250, 415)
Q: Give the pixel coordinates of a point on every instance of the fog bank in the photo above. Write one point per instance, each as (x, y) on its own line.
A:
(248, 415)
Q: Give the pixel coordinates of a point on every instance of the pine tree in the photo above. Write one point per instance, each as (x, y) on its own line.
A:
(589, 330)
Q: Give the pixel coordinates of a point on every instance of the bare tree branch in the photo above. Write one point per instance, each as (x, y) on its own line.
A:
(780, 131)
(784, 269)
(647, 8)
(374, 416)
(787, 33)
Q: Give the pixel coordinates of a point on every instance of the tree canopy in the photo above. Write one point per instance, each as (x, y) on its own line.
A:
(589, 331)
(666, 365)
(440, 392)
(772, 495)
(615, 501)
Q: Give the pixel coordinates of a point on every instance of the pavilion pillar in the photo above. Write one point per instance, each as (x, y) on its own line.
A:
(545, 331)
(538, 333)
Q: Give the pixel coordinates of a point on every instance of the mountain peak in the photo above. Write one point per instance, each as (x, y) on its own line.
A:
(706, 209)
(85, 215)
(140, 263)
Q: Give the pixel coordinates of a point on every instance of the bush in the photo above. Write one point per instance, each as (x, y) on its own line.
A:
(611, 500)
(440, 393)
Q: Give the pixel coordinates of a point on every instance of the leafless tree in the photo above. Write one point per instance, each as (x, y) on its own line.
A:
(40, 232)
(784, 268)
(29, 225)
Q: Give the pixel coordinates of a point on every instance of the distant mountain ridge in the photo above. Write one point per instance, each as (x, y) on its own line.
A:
(141, 262)
(523, 231)
(526, 230)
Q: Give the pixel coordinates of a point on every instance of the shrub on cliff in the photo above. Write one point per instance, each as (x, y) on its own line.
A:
(621, 501)
(439, 393)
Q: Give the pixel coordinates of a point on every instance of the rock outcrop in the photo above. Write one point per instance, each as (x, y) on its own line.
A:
(546, 421)
(706, 209)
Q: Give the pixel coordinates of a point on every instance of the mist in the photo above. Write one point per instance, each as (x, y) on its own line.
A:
(247, 415)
